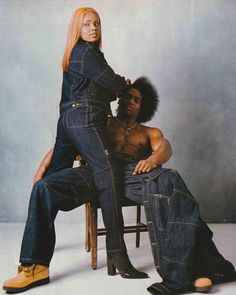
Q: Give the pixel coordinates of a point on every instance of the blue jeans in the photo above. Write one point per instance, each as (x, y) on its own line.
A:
(82, 129)
(64, 190)
(181, 241)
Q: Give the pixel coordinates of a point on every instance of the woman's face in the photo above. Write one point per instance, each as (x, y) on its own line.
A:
(91, 27)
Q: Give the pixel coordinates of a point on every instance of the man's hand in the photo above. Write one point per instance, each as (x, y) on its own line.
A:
(144, 166)
(161, 152)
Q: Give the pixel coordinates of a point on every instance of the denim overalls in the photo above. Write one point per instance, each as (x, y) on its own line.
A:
(181, 241)
(89, 84)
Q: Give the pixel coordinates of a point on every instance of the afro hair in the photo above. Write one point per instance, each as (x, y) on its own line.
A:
(150, 98)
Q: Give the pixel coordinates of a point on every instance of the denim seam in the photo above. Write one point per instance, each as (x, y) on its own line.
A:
(151, 229)
(113, 186)
(156, 176)
(90, 188)
(82, 61)
(71, 88)
(48, 185)
(76, 61)
(102, 74)
(83, 103)
(189, 223)
(170, 260)
(100, 170)
(34, 261)
(183, 193)
(75, 126)
(161, 196)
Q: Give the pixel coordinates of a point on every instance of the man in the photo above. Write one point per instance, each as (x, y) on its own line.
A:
(181, 242)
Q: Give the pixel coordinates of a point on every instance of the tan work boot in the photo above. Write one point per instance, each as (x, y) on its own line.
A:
(28, 277)
(202, 285)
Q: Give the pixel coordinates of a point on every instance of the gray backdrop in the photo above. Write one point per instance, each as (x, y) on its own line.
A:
(186, 47)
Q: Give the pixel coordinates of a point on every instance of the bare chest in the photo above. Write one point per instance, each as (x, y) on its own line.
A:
(132, 141)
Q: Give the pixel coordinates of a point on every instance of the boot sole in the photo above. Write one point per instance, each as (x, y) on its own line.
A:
(202, 289)
(35, 284)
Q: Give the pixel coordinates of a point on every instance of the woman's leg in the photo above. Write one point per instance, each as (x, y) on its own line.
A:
(64, 152)
(91, 141)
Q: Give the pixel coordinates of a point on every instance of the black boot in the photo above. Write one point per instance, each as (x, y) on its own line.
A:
(163, 289)
(121, 262)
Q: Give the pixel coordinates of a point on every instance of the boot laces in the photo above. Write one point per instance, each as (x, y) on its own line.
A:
(28, 270)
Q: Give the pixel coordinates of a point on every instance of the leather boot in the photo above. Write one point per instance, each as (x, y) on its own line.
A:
(121, 262)
(28, 277)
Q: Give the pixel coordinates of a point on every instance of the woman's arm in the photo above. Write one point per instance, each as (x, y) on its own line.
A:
(43, 166)
(88, 61)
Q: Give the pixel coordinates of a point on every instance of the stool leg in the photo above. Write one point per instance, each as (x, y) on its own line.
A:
(93, 212)
(137, 223)
(87, 228)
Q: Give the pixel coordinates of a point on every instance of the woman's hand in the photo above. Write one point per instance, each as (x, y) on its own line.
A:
(128, 82)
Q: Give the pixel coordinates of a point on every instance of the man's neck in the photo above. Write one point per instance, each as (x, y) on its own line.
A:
(126, 121)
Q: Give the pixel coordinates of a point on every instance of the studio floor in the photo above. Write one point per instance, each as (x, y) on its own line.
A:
(70, 269)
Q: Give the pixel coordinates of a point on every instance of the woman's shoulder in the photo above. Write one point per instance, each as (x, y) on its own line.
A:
(81, 48)
(78, 51)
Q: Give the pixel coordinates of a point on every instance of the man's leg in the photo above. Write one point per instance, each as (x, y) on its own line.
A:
(182, 238)
(208, 261)
(64, 190)
(173, 218)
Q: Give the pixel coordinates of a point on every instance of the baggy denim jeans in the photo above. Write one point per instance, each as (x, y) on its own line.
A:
(64, 190)
(82, 129)
(181, 242)
(170, 210)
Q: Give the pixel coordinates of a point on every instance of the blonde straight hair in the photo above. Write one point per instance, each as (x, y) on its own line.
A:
(74, 33)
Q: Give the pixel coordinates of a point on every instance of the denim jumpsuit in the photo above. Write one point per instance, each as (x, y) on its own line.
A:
(89, 84)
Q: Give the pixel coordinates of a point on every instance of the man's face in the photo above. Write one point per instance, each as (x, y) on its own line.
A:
(91, 27)
(130, 103)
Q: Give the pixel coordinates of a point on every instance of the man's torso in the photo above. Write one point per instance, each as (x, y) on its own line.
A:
(132, 141)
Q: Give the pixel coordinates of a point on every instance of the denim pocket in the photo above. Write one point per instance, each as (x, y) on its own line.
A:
(77, 117)
(162, 204)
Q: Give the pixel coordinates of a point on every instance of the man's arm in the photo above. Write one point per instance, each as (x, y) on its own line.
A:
(161, 152)
(43, 166)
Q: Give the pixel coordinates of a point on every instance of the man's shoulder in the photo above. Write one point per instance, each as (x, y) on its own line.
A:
(149, 128)
(151, 131)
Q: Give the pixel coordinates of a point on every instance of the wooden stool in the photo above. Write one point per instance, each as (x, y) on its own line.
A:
(92, 232)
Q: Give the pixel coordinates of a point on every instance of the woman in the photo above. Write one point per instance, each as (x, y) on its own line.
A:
(89, 84)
